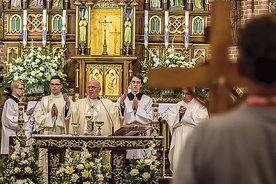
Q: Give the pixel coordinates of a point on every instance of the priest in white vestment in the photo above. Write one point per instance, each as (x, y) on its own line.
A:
(135, 107)
(102, 109)
(182, 120)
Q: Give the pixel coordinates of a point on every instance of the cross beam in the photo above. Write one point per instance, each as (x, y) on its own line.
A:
(219, 75)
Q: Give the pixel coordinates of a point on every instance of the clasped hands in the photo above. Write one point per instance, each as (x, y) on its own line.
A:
(182, 110)
(134, 102)
(54, 110)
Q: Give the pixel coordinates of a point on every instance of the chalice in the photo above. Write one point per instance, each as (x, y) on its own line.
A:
(99, 124)
(75, 128)
(90, 124)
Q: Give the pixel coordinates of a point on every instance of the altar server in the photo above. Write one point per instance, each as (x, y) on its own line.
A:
(135, 107)
(10, 115)
(182, 120)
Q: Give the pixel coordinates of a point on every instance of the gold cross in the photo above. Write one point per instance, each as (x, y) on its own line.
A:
(219, 75)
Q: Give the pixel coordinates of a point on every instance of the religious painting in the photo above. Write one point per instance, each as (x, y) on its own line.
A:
(108, 75)
(199, 56)
(112, 83)
(105, 27)
(95, 72)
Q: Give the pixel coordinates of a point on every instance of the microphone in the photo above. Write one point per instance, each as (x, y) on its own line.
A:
(112, 123)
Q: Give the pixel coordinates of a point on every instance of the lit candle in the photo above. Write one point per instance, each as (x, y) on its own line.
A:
(166, 18)
(146, 17)
(24, 17)
(186, 18)
(64, 17)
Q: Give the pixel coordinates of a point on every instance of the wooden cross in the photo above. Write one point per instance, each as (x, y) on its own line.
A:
(219, 75)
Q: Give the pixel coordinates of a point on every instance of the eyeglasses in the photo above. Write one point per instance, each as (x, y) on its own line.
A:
(22, 89)
(92, 87)
(55, 84)
(186, 94)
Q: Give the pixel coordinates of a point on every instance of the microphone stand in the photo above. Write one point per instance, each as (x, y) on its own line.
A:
(32, 123)
(112, 128)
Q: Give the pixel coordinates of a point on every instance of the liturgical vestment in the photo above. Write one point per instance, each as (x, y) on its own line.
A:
(182, 127)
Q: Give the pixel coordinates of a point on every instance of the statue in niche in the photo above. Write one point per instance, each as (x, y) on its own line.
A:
(112, 83)
(127, 33)
(198, 5)
(155, 4)
(83, 30)
(36, 3)
(57, 4)
(176, 3)
(15, 4)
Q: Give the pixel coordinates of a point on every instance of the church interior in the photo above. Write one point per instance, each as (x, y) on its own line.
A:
(109, 40)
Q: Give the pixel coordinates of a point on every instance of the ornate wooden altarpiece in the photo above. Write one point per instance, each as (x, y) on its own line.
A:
(57, 144)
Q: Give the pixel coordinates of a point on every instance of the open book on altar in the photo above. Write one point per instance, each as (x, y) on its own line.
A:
(132, 130)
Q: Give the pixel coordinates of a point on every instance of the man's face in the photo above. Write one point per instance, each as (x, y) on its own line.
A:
(18, 91)
(186, 96)
(135, 84)
(93, 89)
(55, 86)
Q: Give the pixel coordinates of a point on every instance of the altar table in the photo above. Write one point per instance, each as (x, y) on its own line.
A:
(57, 144)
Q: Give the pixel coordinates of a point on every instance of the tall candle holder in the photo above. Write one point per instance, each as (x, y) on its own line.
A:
(155, 126)
(20, 131)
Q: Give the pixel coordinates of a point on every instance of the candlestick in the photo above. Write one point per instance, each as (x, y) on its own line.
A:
(146, 17)
(186, 18)
(44, 17)
(24, 17)
(166, 18)
(64, 17)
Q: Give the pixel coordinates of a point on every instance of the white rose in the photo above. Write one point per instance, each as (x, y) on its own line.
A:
(148, 161)
(28, 169)
(74, 177)
(134, 172)
(146, 176)
(23, 155)
(80, 166)
(100, 177)
(42, 68)
(16, 170)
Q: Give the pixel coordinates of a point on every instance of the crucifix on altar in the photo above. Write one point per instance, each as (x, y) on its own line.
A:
(220, 76)
(105, 23)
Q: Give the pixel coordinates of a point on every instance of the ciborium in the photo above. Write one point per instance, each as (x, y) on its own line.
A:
(99, 125)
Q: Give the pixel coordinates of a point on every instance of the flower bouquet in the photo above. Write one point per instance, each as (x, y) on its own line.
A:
(168, 59)
(22, 166)
(35, 68)
(146, 170)
(82, 169)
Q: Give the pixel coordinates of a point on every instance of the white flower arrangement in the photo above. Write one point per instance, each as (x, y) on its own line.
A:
(82, 168)
(168, 59)
(22, 165)
(35, 68)
(146, 170)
